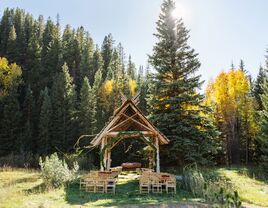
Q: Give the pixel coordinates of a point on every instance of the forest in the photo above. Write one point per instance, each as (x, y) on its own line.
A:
(57, 84)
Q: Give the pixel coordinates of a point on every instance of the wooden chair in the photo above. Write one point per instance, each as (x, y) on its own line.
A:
(100, 186)
(156, 184)
(171, 185)
(110, 186)
(90, 185)
(145, 185)
(82, 184)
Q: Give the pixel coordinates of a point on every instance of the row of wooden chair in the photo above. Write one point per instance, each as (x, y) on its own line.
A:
(157, 182)
(99, 185)
(99, 182)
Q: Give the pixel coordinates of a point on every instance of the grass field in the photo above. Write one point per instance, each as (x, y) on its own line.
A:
(23, 188)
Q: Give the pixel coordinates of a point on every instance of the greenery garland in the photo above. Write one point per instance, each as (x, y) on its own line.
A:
(120, 136)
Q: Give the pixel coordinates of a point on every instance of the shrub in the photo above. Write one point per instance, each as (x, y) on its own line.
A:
(193, 180)
(55, 172)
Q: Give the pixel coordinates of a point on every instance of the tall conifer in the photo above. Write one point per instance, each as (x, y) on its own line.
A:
(175, 103)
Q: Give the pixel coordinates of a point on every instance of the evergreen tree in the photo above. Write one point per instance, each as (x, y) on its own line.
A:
(33, 62)
(96, 90)
(63, 99)
(107, 52)
(44, 141)
(28, 142)
(70, 50)
(175, 104)
(97, 65)
(263, 133)
(11, 45)
(10, 133)
(50, 53)
(87, 56)
(131, 69)
(87, 115)
(5, 27)
(242, 66)
(257, 89)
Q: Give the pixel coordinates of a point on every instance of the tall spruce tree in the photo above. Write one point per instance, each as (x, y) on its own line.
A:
(28, 142)
(63, 99)
(10, 133)
(263, 133)
(257, 89)
(44, 140)
(106, 52)
(87, 110)
(87, 56)
(50, 53)
(97, 65)
(131, 69)
(175, 105)
(11, 45)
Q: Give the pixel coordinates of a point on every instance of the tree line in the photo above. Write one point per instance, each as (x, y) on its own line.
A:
(57, 85)
(63, 86)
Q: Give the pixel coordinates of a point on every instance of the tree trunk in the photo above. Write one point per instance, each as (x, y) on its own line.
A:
(235, 147)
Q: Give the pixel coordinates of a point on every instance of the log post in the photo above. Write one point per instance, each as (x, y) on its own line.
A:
(102, 146)
(157, 155)
(109, 160)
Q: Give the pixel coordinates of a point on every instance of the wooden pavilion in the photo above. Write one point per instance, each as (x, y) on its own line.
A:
(127, 122)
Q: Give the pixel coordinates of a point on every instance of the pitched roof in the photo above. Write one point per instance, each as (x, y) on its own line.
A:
(128, 117)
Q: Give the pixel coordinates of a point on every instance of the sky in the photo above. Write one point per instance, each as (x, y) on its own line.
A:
(221, 31)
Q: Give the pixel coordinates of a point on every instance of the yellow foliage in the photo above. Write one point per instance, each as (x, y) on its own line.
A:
(132, 86)
(9, 74)
(230, 95)
(108, 87)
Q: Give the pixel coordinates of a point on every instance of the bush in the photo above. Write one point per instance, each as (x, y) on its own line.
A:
(55, 172)
(193, 180)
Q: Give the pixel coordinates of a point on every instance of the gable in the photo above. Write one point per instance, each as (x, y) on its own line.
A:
(129, 118)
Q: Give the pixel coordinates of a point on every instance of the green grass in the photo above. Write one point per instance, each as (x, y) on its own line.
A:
(250, 190)
(24, 188)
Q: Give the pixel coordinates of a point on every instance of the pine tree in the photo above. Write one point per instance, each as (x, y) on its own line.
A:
(87, 56)
(263, 133)
(28, 142)
(87, 110)
(5, 27)
(44, 140)
(33, 62)
(107, 52)
(131, 69)
(50, 53)
(96, 90)
(257, 89)
(97, 65)
(10, 133)
(11, 45)
(63, 99)
(175, 104)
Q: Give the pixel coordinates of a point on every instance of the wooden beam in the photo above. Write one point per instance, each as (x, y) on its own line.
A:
(100, 136)
(149, 124)
(145, 133)
(136, 98)
(138, 123)
(123, 97)
(123, 122)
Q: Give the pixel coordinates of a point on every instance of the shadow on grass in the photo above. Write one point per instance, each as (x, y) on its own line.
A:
(20, 180)
(40, 188)
(126, 193)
